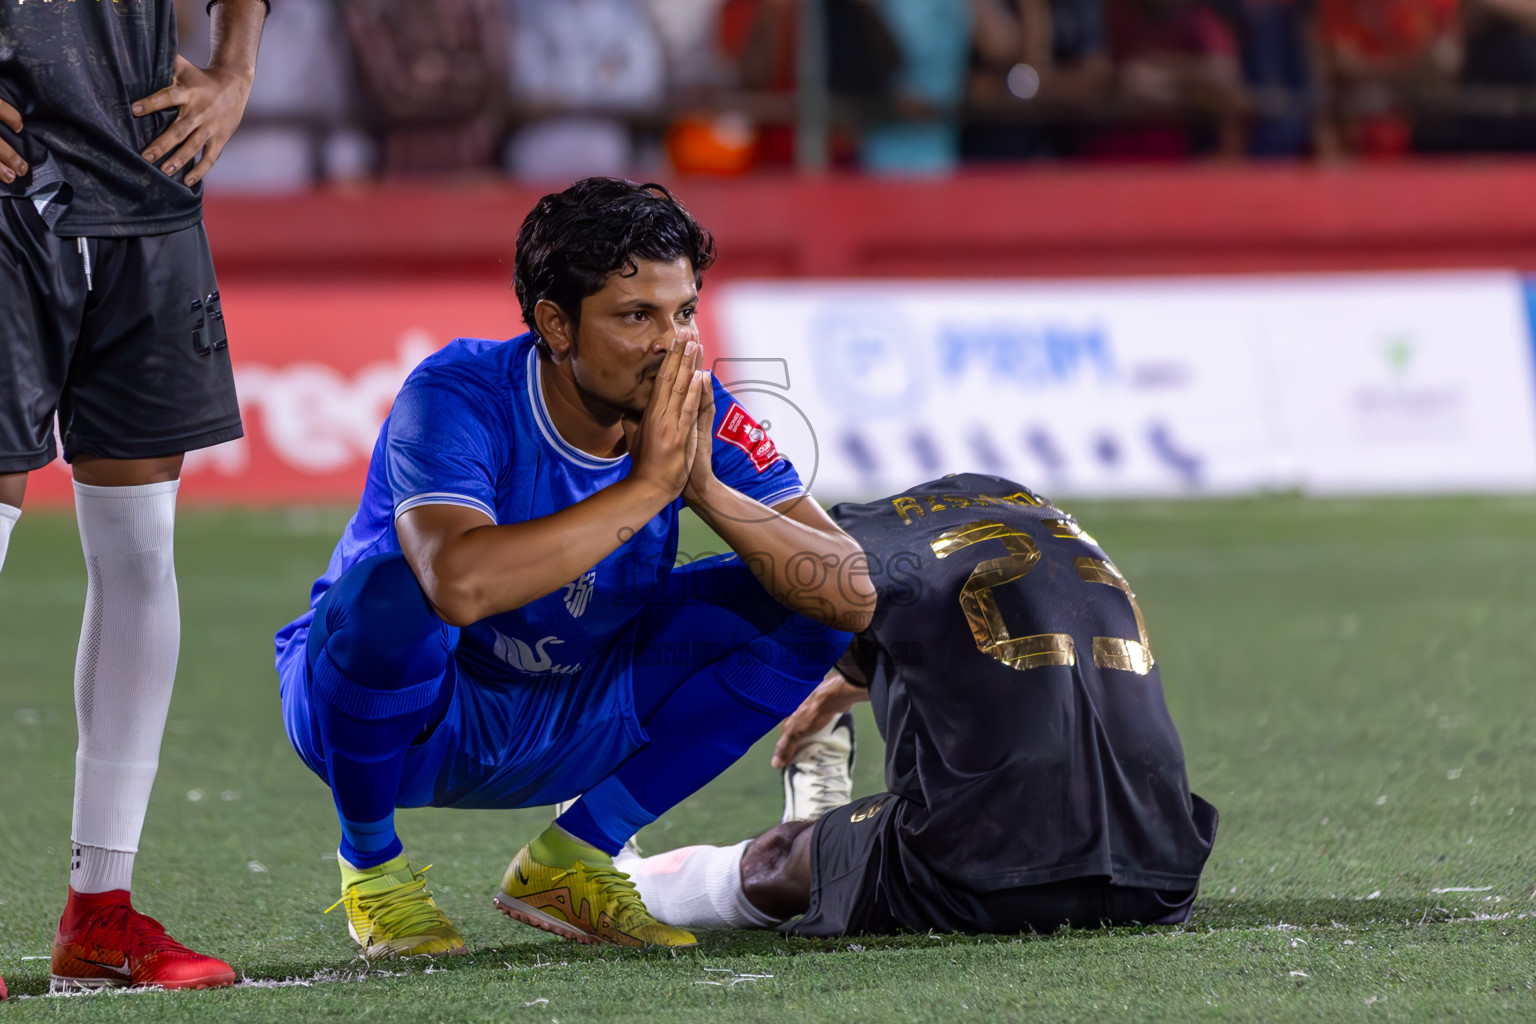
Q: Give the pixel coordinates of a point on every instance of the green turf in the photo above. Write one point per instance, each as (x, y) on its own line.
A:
(1353, 681)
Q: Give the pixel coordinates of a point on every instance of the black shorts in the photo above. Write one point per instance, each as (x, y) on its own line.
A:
(135, 361)
(864, 883)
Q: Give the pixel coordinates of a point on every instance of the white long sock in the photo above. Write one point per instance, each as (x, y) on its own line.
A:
(8, 516)
(124, 671)
(696, 887)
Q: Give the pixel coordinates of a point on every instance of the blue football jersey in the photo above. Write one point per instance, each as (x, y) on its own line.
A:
(470, 427)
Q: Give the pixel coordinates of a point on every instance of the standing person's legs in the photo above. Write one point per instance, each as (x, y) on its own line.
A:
(149, 379)
(125, 666)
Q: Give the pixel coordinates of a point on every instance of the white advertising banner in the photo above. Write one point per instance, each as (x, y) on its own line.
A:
(1340, 383)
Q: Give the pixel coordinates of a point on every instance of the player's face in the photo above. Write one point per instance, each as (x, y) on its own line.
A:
(628, 326)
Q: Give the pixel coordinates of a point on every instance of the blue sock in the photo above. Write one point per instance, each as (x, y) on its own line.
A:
(365, 756)
(378, 662)
(703, 728)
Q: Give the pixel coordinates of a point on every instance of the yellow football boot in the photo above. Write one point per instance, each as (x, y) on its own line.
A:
(585, 900)
(390, 912)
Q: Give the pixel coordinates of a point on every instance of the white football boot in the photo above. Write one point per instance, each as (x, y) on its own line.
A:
(821, 775)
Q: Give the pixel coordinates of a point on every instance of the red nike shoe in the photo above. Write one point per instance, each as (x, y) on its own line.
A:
(104, 943)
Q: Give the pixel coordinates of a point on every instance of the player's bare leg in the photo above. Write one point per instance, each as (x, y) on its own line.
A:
(124, 672)
(776, 870)
(13, 488)
(755, 884)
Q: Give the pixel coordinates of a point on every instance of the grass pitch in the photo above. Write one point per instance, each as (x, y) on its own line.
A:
(1352, 680)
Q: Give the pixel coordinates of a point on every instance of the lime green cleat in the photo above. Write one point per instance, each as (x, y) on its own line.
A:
(390, 912)
(589, 903)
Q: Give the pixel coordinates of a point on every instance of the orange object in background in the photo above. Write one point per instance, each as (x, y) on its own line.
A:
(725, 144)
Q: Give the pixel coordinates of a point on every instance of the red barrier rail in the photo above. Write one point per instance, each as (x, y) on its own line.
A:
(1034, 221)
(332, 296)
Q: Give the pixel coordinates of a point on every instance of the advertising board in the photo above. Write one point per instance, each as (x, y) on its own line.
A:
(1328, 384)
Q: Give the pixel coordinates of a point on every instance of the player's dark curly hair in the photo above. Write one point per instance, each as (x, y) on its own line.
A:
(571, 241)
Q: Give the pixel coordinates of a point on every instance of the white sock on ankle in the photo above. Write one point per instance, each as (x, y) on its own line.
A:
(8, 516)
(695, 887)
(93, 869)
(124, 671)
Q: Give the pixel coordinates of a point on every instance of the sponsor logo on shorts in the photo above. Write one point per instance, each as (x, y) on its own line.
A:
(208, 335)
(869, 812)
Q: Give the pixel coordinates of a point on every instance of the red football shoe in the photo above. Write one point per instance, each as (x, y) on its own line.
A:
(104, 943)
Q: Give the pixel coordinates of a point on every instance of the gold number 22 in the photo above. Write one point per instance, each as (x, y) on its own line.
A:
(1027, 652)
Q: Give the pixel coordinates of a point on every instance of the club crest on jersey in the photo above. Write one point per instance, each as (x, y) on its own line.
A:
(534, 660)
(743, 431)
(578, 592)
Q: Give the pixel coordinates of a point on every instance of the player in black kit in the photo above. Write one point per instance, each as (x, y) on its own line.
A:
(110, 318)
(1035, 777)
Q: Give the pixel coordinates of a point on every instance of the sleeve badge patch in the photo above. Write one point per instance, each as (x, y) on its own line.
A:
(742, 430)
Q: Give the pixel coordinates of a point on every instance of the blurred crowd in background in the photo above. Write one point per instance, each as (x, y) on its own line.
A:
(548, 90)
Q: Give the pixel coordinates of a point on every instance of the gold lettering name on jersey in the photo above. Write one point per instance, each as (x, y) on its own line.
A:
(911, 509)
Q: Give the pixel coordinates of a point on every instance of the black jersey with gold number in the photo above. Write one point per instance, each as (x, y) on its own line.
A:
(1018, 694)
(73, 68)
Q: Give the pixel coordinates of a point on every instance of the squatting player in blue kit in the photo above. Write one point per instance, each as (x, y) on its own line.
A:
(501, 624)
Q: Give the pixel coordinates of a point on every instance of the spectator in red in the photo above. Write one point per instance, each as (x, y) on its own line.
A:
(1374, 55)
(1181, 84)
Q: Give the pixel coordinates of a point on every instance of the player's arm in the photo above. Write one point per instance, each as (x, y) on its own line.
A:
(799, 555)
(834, 695)
(208, 101)
(470, 568)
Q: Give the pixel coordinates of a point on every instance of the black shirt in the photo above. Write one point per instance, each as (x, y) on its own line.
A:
(1018, 696)
(73, 68)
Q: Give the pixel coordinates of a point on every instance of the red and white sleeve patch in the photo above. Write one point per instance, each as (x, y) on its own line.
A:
(741, 430)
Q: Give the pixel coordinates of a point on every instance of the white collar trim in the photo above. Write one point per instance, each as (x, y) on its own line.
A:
(547, 424)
